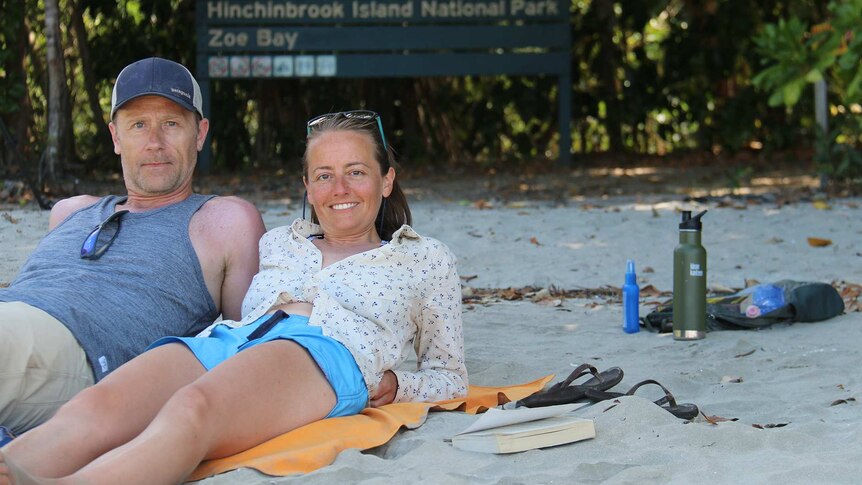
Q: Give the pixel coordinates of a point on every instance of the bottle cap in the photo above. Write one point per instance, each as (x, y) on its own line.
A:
(630, 271)
(753, 311)
(689, 222)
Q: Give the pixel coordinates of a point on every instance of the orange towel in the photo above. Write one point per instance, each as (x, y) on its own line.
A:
(317, 444)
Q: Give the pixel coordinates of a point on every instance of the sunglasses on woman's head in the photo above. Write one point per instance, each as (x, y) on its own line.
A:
(102, 237)
(359, 114)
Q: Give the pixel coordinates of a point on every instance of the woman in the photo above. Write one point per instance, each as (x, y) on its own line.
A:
(333, 311)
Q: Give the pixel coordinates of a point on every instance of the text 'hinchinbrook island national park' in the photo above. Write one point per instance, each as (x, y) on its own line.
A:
(357, 9)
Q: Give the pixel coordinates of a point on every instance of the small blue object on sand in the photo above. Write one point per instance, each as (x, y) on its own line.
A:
(5, 436)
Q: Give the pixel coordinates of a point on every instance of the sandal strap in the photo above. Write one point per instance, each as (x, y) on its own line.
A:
(667, 399)
(579, 371)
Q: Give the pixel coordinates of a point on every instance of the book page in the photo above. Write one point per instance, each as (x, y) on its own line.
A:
(494, 417)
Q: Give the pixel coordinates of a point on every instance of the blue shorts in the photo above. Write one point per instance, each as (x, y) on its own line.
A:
(333, 358)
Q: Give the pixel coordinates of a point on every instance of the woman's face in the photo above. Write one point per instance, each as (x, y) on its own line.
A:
(344, 183)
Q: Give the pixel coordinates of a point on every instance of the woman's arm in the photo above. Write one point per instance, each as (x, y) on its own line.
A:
(439, 341)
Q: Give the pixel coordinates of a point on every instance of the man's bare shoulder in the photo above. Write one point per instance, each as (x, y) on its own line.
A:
(64, 207)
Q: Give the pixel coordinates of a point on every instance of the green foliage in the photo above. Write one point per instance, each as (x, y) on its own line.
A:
(796, 54)
(682, 77)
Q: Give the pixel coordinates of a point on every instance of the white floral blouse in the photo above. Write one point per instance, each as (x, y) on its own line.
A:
(376, 303)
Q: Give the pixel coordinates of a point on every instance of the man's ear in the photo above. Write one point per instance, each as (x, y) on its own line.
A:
(203, 129)
(113, 129)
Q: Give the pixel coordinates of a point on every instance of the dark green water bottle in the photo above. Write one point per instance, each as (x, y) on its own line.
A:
(689, 281)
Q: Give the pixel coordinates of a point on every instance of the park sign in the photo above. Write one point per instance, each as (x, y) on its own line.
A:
(271, 39)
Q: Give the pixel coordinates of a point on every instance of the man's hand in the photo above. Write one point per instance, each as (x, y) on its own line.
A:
(386, 390)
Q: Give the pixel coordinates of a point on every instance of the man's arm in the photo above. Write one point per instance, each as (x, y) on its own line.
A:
(63, 208)
(225, 233)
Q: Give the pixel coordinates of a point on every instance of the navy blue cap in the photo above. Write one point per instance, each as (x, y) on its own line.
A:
(159, 77)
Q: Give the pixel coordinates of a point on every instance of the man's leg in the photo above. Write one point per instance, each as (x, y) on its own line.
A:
(41, 366)
(256, 395)
(105, 416)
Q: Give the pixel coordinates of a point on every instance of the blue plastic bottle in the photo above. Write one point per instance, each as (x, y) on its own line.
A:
(762, 299)
(631, 295)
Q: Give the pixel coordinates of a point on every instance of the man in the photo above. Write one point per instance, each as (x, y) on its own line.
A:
(114, 274)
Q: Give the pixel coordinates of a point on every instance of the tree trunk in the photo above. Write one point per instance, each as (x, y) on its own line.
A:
(19, 120)
(55, 156)
(608, 63)
(104, 136)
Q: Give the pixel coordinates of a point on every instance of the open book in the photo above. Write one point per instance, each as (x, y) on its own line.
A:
(521, 429)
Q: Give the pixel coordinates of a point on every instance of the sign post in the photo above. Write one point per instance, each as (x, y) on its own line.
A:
(242, 39)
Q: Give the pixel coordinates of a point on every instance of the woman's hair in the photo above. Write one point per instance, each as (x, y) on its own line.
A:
(394, 212)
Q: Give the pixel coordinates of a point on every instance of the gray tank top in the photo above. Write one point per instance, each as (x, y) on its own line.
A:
(147, 285)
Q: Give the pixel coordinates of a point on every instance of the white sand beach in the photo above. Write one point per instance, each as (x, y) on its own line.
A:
(790, 393)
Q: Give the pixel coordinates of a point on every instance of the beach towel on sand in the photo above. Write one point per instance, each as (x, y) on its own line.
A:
(316, 445)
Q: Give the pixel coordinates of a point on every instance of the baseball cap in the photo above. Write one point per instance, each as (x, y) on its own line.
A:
(159, 77)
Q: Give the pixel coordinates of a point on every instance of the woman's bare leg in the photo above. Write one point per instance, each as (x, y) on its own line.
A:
(106, 415)
(256, 395)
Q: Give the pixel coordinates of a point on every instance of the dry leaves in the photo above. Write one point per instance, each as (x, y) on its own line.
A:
(769, 426)
(9, 218)
(652, 291)
(545, 296)
(745, 354)
(817, 242)
(483, 204)
(717, 419)
(535, 241)
(727, 379)
(843, 401)
(851, 293)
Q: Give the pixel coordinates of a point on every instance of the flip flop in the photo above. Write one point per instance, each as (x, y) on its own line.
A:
(682, 410)
(564, 393)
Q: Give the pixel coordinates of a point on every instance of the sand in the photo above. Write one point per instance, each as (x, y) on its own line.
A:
(790, 393)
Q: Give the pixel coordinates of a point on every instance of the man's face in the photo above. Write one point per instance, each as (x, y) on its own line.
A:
(157, 141)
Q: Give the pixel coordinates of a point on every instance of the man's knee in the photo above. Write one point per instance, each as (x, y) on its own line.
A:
(16, 348)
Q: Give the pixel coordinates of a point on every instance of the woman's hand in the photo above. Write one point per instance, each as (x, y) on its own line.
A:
(386, 390)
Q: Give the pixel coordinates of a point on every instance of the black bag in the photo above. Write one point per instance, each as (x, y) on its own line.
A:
(803, 302)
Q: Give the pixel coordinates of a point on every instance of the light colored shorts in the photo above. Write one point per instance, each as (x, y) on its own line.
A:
(333, 358)
(41, 366)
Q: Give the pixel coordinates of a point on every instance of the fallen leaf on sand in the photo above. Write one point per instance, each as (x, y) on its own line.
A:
(843, 401)
(818, 242)
(774, 240)
(821, 204)
(650, 290)
(470, 277)
(745, 354)
(648, 269)
(616, 401)
(719, 288)
(9, 218)
(769, 426)
(851, 293)
(483, 204)
(726, 379)
(717, 419)
(535, 241)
